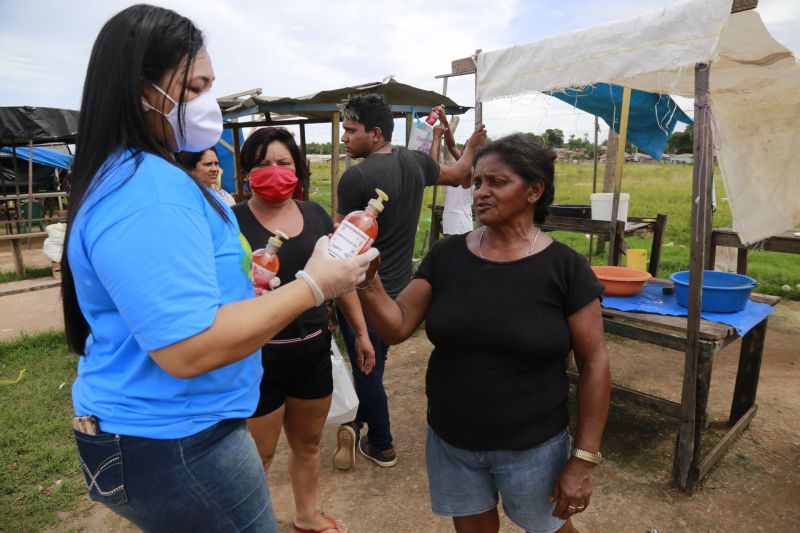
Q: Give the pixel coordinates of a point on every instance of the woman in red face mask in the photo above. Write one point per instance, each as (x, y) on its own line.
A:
(297, 383)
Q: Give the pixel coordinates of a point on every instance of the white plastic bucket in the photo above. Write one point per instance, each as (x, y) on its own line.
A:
(602, 203)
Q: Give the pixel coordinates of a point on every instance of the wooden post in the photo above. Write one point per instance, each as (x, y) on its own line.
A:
(16, 183)
(19, 266)
(303, 141)
(744, 392)
(594, 176)
(685, 466)
(478, 103)
(30, 186)
(409, 123)
(334, 162)
(237, 179)
(614, 241)
(304, 158)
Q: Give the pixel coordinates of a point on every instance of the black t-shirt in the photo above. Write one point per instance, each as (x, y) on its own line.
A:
(403, 175)
(293, 256)
(497, 378)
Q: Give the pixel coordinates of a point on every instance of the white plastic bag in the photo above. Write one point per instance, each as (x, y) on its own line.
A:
(344, 402)
(54, 243)
(421, 137)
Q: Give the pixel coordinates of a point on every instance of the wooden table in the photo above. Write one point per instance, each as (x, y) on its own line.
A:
(594, 227)
(603, 227)
(786, 242)
(671, 332)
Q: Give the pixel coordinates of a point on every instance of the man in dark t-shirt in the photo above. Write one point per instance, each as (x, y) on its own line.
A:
(403, 176)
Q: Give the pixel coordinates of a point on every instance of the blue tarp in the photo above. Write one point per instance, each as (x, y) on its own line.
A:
(225, 156)
(651, 119)
(42, 156)
(651, 299)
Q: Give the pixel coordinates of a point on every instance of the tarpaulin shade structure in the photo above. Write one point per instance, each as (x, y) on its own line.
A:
(318, 107)
(652, 117)
(754, 101)
(42, 177)
(322, 107)
(20, 125)
(42, 156)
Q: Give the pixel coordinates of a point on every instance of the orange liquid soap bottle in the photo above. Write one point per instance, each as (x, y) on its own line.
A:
(358, 230)
(266, 262)
(432, 118)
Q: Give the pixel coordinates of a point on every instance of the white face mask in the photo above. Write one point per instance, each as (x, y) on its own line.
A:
(202, 121)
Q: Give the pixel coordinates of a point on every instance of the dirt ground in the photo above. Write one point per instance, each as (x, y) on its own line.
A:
(754, 487)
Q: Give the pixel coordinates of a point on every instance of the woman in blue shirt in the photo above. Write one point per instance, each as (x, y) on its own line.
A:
(156, 294)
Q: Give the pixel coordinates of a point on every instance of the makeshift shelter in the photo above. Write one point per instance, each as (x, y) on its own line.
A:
(20, 126)
(322, 107)
(753, 101)
(745, 88)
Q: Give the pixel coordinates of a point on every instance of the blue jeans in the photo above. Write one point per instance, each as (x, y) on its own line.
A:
(210, 481)
(465, 483)
(372, 405)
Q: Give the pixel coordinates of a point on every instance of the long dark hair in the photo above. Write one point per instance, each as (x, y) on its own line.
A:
(255, 148)
(189, 160)
(139, 43)
(529, 160)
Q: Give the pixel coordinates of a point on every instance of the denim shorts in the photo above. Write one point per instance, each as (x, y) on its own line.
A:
(210, 481)
(464, 483)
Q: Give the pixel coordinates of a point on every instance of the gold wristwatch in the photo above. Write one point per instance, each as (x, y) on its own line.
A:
(595, 458)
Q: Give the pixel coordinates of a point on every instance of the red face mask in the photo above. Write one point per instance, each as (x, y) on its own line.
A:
(274, 184)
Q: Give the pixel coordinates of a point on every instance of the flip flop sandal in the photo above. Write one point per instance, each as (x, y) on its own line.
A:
(333, 527)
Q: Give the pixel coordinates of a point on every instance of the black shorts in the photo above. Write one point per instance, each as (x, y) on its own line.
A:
(299, 370)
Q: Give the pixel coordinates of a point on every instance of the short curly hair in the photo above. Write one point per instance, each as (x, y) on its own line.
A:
(531, 161)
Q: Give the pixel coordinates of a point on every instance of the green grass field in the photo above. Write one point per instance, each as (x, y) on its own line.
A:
(654, 189)
(39, 472)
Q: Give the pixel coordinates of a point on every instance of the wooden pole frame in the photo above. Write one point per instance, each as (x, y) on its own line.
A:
(613, 258)
(687, 453)
(334, 162)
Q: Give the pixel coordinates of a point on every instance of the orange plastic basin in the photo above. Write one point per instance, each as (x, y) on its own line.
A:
(621, 281)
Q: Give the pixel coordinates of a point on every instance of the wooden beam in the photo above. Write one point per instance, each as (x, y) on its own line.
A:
(620, 393)
(620, 161)
(30, 186)
(334, 162)
(725, 442)
(478, 103)
(409, 123)
(304, 158)
(747, 374)
(237, 178)
(743, 5)
(703, 160)
(465, 65)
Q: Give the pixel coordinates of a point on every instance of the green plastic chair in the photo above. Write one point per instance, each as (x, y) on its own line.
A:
(37, 211)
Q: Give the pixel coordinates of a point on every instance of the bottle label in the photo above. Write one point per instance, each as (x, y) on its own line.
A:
(261, 278)
(348, 241)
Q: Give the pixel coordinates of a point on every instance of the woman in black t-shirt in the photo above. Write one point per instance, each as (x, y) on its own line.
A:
(297, 384)
(503, 306)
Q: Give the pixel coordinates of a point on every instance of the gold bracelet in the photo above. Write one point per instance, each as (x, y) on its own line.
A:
(595, 458)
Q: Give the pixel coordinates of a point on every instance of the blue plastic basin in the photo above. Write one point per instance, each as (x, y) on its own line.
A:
(723, 292)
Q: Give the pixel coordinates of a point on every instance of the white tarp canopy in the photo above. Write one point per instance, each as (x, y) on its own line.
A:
(755, 92)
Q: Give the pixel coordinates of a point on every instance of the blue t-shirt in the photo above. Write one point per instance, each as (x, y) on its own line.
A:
(153, 262)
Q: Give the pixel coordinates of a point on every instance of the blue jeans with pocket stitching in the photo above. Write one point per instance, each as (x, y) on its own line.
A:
(210, 481)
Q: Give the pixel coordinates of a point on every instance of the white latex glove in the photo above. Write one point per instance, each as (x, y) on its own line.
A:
(329, 277)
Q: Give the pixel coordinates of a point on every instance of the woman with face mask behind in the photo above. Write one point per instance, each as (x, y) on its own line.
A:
(205, 167)
(297, 384)
(156, 293)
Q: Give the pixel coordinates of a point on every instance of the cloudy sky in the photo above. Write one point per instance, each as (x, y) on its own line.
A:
(303, 46)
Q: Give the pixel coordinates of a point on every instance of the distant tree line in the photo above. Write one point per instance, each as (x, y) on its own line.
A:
(680, 142)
